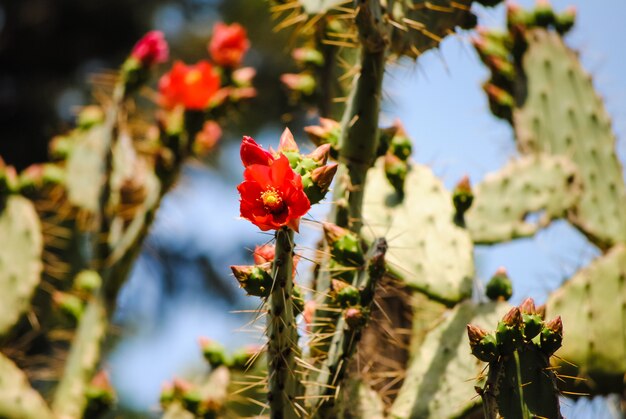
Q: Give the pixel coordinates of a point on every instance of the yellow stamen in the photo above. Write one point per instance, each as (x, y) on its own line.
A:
(272, 200)
(193, 76)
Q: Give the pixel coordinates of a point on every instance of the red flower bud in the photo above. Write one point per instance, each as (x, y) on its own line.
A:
(323, 176)
(320, 154)
(228, 44)
(207, 139)
(192, 86)
(151, 49)
(287, 142)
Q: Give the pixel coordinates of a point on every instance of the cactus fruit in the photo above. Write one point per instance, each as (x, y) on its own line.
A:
(436, 377)
(520, 382)
(593, 307)
(17, 398)
(534, 183)
(20, 261)
(428, 251)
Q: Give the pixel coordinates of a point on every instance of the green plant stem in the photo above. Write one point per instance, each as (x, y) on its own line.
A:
(70, 397)
(345, 339)
(284, 384)
(358, 143)
(490, 392)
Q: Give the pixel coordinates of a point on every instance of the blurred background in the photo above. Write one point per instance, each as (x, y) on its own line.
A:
(181, 287)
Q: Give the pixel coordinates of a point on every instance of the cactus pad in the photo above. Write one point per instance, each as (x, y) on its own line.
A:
(426, 249)
(20, 260)
(530, 184)
(17, 398)
(562, 114)
(436, 383)
(593, 307)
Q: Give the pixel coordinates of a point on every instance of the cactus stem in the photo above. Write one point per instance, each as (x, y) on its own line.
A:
(284, 385)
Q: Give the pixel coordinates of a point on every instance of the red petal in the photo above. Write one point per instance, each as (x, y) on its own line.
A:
(252, 153)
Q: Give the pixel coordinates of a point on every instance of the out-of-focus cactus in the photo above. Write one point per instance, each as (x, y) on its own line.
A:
(593, 307)
(520, 382)
(20, 258)
(436, 377)
(17, 397)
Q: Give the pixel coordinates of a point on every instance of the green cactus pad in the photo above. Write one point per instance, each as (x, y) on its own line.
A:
(86, 167)
(426, 249)
(529, 184)
(20, 259)
(17, 398)
(560, 113)
(436, 383)
(592, 305)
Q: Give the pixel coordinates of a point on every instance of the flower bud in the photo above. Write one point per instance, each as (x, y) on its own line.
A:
(509, 332)
(320, 154)
(462, 196)
(307, 55)
(287, 142)
(302, 83)
(396, 171)
(328, 132)
(243, 77)
(89, 116)
(483, 344)
(242, 357)
(345, 294)
(354, 317)
(344, 245)
(565, 21)
(213, 352)
(544, 15)
(228, 45)
(151, 49)
(552, 336)
(256, 280)
(207, 138)
(69, 304)
(100, 394)
(499, 286)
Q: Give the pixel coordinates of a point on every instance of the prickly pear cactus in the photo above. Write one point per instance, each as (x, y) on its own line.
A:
(502, 201)
(427, 250)
(437, 374)
(593, 307)
(20, 258)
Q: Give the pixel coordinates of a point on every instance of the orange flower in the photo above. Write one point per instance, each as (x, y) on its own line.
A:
(192, 86)
(271, 193)
(228, 44)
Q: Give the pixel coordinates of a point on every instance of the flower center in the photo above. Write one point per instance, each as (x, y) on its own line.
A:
(272, 200)
(193, 76)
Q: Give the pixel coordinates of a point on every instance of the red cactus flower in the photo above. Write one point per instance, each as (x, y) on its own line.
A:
(151, 49)
(228, 44)
(192, 86)
(271, 194)
(253, 153)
